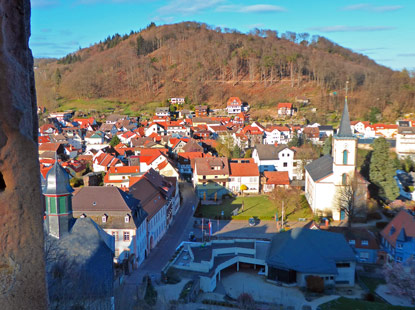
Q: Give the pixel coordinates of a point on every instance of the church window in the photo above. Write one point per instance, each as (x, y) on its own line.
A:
(344, 179)
(62, 204)
(52, 205)
(345, 157)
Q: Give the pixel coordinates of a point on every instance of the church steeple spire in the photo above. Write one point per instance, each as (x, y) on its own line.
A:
(58, 198)
(344, 129)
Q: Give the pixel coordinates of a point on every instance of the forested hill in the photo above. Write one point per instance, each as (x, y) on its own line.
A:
(210, 64)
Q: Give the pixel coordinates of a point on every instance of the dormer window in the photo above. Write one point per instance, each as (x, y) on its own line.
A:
(352, 242)
(127, 218)
(392, 231)
(365, 242)
(104, 218)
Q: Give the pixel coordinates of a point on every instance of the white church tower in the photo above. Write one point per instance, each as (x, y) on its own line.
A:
(344, 150)
(325, 175)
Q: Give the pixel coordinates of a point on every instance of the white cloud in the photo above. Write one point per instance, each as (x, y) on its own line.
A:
(342, 28)
(407, 55)
(261, 8)
(257, 8)
(37, 4)
(186, 7)
(371, 8)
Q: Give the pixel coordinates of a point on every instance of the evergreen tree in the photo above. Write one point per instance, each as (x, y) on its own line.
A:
(58, 77)
(115, 141)
(236, 152)
(248, 153)
(295, 141)
(327, 145)
(382, 170)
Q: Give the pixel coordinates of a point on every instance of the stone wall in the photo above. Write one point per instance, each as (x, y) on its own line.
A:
(22, 270)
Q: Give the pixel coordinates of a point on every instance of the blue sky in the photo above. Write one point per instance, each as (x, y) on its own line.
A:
(382, 29)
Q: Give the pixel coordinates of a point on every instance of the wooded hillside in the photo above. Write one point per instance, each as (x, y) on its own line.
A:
(210, 64)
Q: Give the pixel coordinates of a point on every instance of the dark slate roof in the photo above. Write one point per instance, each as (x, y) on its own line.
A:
(103, 198)
(84, 261)
(308, 251)
(345, 130)
(269, 151)
(320, 167)
(57, 181)
(325, 128)
(406, 130)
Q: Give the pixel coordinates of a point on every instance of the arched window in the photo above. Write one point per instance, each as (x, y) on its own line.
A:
(345, 157)
(344, 179)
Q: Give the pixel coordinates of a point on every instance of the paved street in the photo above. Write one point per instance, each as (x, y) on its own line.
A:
(161, 254)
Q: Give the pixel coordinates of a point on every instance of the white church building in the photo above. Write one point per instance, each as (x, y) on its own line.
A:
(326, 174)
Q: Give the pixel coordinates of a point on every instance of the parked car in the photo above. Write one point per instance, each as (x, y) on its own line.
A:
(252, 222)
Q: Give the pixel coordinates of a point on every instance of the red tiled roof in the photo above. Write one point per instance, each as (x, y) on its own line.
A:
(152, 152)
(49, 147)
(402, 221)
(162, 165)
(85, 157)
(44, 171)
(383, 126)
(279, 128)
(234, 101)
(286, 105)
(243, 169)
(43, 139)
(190, 155)
(253, 130)
(124, 169)
(277, 177)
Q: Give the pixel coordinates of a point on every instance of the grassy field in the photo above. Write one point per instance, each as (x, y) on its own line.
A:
(258, 206)
(352, 304)
(372, 284)
(95, 105)
(108, 106)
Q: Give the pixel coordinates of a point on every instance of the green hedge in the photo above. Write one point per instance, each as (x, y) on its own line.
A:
(247, 217)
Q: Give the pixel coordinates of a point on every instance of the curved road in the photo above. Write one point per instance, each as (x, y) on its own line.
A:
(160, 255)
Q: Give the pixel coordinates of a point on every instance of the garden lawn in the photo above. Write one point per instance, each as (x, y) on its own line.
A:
(343, 303)
(254, 206)
(372, 283)
(97, 105)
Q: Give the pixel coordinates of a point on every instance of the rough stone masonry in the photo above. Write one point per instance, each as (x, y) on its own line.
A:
(22, 269)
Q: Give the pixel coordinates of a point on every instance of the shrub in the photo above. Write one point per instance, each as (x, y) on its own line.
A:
(245, 301)
(370, 297)
(185, 291)
(315, 284)
(172, 276)
(151, 294)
